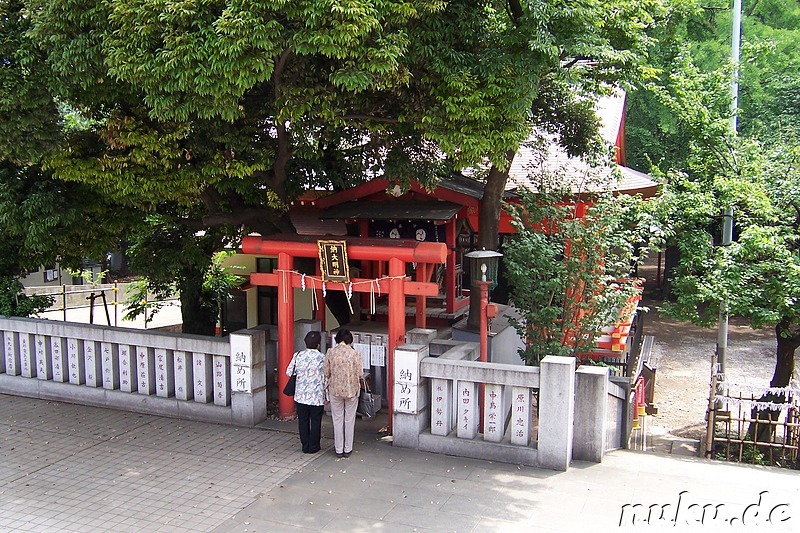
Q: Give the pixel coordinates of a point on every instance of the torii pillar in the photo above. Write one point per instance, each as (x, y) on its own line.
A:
(396, 252)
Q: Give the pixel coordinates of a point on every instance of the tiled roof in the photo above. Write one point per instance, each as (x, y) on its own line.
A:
(542, 156)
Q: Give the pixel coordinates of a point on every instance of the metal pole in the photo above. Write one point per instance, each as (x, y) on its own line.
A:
(727, 227)
(722, 331)
(735, 46)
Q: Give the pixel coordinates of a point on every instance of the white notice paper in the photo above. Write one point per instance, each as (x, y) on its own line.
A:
(378, 355)
(363, 351)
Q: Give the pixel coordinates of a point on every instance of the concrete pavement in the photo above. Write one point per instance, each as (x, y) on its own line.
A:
(72, 468)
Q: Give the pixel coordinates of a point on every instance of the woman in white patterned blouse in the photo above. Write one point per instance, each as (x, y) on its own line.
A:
(309, 394)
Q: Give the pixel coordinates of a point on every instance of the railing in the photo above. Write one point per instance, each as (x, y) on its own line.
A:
(462, 391)
(186, 376)
(78, 303)
(455, 405)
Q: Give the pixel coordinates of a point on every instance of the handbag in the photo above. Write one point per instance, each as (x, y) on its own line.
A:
(366, 402)
(288, 390)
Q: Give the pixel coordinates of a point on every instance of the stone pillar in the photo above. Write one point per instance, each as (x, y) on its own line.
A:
(91, 358)
(301, 327)
(556, 411)
(77, 374)
(493, 413)
(128, 381)
(591, 404)
(27, 355)
(441, 407)
(422, 336)
(11, 348)
(222, 391)
(248, 375)
(58, 354)
(165, 373)
(410, 414)
(146, 370)
(109, 354)
(467, 422)
(184, 390)
(44, 365)
(203, 377)
(521, 413)
(2, 353)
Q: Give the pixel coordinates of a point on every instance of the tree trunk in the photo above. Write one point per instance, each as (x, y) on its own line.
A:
(199, 315)
(488, 228)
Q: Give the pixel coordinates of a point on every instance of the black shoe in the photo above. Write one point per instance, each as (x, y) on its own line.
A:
(313, 450)
(347, 454)
(339, 455)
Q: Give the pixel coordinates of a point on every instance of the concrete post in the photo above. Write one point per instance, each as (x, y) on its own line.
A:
(58, 352)
(145, 369)
(556, 411)
(248, 377)
(27, 356)
(441, 407)
(127, 368)
(165, 373)
(44, 365)
(421, 336)
(222, 372)
(411, 398)
(494, 413)
(183, 375)
(521, 416)
(301, 328)
(591, 404)
(91, 359)
(75, 361)
(467, 398)
(110, 365)
(203, 376)
(3, 352)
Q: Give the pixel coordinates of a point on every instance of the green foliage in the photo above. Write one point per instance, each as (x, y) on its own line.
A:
(14, 301)
(698, 34)
(146, 298)
(570, 274)
(43, 221)
(215, 116)
(174, 261)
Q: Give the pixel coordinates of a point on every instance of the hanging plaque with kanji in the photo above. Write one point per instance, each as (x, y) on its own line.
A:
(333, 261)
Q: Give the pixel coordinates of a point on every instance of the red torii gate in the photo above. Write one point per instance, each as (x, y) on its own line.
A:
(397, 252)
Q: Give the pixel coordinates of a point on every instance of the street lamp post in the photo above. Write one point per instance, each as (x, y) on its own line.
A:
(484, 265)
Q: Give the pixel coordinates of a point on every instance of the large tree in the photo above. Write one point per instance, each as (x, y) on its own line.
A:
(217, 114)
(680, 127)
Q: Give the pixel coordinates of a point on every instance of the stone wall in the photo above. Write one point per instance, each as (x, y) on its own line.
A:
(185, 376)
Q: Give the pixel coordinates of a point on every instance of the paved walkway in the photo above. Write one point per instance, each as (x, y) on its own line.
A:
(72, 468)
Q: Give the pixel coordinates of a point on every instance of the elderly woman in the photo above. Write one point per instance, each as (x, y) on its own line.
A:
(309, 396)
(342, 370)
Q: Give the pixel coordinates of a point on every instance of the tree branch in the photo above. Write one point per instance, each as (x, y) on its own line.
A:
(516, 10)
(382, 120)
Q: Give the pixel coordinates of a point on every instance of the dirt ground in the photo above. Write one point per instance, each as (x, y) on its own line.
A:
(683, 354)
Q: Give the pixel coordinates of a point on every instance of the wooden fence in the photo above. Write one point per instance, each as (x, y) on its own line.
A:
(757, 426)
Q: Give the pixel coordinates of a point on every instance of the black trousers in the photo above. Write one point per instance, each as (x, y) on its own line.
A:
(309, 420)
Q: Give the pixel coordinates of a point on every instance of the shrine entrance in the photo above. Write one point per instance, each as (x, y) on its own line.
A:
(397, 252)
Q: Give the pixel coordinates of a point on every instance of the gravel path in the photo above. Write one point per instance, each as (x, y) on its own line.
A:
(683, 353)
